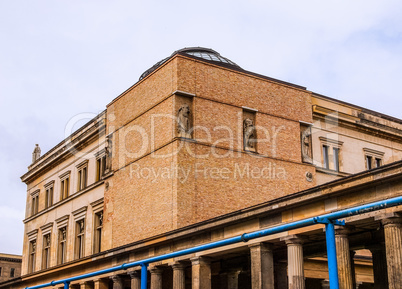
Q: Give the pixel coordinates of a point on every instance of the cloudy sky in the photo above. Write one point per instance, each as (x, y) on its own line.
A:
(62, 58)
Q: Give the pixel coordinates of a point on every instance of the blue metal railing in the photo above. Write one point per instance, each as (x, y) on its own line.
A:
(329, 220)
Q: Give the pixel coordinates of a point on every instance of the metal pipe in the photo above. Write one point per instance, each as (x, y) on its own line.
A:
(331, 256)
(144, 276)
(243, 238)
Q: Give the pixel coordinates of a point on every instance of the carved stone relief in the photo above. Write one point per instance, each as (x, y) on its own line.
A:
(249, 135)
(183, 121)
(306, 145)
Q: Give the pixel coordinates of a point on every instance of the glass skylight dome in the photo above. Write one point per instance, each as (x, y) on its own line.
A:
(199, 52)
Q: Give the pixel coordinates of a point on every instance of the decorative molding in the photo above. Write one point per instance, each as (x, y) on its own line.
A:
(32, 235)
(80, 213)
(331, 141)
(97, 205)
(249, 109)
(35, 193)
(372, 152)
(100, 153)
(46, 229)
(82, 164)
(49, 184)
(62, 221)
(65, 175)
(183, 93)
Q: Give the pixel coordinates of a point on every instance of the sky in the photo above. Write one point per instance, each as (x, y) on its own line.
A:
(60, 59)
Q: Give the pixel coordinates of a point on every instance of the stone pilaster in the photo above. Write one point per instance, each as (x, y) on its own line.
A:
(117, 282)
(101, 284)
(262, 266)
(156, 278)
(201, 272)
(379, 265)
(179, 276)
(343, 258)
(393, 246)
(135, 279)
(295, 262)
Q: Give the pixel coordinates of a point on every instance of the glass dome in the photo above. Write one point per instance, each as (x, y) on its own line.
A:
(198, 52)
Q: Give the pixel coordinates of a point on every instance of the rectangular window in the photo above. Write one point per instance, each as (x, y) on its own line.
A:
(325, 156)
(378, 162)
(369, 162)
(35, 204)
(98, 232)
(32, 256)
(12, 273)
(46, 252)
(82, 178)
(49, 197)
(79, 239)
(100, 167)
(64, 188)
(336, 159)
(0, 271)
(62, 248)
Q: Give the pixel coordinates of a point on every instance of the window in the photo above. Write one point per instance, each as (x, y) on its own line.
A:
(46, 252)
(12, 272)
(32, 256)
(100, 167)
(80, 239)
(98, 232)
(64, 185)
(325, 156)
(34, 202)
(62, 250)
(373, 158)
(82, 175)
(0, 271)
(331, 154)
(336, 159)
(49, 194)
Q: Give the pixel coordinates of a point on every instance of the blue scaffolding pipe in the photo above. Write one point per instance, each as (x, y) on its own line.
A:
(328, 219)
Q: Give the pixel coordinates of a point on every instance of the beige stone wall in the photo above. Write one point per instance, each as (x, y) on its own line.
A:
(76, 200)
(7, 265)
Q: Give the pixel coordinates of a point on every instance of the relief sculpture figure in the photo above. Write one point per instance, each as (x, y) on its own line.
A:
(249, 135)
(183, 120)
(306, 146)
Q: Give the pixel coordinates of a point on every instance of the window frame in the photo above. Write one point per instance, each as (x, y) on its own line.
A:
(98, 211)
(49, 194)
(100, 165)
(373, 158)
(79, 235)
(35, 202)
(331, 154)
(82, 175)
(64, 185)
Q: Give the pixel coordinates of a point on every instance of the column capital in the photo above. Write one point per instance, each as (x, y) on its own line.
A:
(115, 278)
(201, 260)
(344, 230)
(264, 246)
(394, 221)
(294, 240)
(177, 265)
(134, 274)
(156, 270)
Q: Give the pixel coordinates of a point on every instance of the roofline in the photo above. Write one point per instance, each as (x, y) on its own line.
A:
(373, 112)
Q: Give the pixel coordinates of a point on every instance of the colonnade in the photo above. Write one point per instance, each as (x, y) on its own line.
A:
(265, 274)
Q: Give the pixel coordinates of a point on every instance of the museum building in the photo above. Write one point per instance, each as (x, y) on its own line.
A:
(200, 150)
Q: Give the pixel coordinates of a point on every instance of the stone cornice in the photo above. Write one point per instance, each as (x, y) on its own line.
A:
(76, 141)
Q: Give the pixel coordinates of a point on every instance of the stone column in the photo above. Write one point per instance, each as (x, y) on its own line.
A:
(379, 265)
(85, 285)
(101, 284)
(179, 276)
(135, 279)
(345, 268)
(201, 272)
(233, 279)
(262, 266)
(393, 246)
(156, 278)
(295, 262)
(117, 282)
